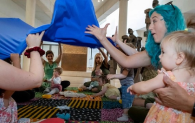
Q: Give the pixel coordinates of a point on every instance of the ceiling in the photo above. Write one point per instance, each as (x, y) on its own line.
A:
(43, 15)
(97, 4)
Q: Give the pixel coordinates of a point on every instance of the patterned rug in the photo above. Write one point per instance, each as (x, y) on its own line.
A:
(50, 102)
(111, 105)
(86, 102)
(76, 89)
(83, 114)
(28, 102)
(58, 96)
(73, 121)
(37, 112)
(43, 112)
(112, 115)
(82, 110)
(115, 122)
(38, 95)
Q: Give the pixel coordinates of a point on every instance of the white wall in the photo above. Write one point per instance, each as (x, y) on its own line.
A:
(10, 9)
(136, 15)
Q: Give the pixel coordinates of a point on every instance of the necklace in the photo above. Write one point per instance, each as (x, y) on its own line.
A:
(180, 68)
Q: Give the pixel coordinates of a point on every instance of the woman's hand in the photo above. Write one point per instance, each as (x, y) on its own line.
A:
(34, 40)
(174, 96)
(99, 33)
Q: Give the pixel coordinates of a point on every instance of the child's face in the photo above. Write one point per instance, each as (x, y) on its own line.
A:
(168, 55)
(98, 72)
(55, 73)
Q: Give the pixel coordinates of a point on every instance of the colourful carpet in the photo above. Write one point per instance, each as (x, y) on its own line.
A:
(50, 102)
(111, 105)
(82, 110)
(28, 102)
(58, 96)
(111, 114)
(73, 121)
(38, 95)
(37, 112)
(83, 114)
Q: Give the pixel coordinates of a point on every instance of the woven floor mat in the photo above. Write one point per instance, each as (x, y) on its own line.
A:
(51, 102)
(111, 115)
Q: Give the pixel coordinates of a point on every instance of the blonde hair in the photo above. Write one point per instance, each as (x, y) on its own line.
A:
(58, 69)
(183, 41)
(101, 59)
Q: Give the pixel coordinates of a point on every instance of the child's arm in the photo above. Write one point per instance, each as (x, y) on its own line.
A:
(57, 80)
(147, 86)
(118, 76)
(101, 92)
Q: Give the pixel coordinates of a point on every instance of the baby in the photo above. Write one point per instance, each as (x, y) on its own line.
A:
(98, 73)
(55, 82)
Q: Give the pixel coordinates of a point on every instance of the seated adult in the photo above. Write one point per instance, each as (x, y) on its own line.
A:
(49, 66)
(99, 63)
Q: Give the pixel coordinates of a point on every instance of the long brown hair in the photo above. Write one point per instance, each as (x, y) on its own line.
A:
(95, 65)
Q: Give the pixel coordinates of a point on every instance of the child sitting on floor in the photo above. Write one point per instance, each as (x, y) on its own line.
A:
(98, 73)
(55, 82)
(108, 90)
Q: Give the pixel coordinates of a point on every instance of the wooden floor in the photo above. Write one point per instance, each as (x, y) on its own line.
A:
(77, 78)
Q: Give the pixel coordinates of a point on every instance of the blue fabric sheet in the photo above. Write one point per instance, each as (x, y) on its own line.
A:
(12, 36)
(68, 26)
(69, 22)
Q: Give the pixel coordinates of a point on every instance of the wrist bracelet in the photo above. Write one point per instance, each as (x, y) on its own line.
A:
(27, 52)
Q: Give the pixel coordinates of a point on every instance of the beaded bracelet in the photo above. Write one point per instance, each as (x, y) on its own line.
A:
(27, 52)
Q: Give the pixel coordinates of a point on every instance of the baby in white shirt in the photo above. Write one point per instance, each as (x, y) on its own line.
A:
(55, 82)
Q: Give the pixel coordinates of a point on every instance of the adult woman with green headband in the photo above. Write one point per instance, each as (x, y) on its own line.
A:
(164, 20)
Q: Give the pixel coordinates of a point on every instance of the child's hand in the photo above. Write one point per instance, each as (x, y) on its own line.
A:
(130, 89)
(161, 71)
(110, 76)
(92, 97)
(99, 33)
(115, 37)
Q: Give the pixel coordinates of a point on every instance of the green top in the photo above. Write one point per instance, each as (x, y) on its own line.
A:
(48, 69)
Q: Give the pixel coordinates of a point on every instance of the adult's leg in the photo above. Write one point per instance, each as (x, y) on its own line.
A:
(138, 114)
(21, 96)
(138, 102)
(65, 84)
(31, 93)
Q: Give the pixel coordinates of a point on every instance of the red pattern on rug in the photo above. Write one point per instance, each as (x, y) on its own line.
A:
(112, 114)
